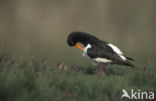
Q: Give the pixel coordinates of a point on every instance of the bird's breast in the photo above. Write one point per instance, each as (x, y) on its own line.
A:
(85, 51)
(86, 55)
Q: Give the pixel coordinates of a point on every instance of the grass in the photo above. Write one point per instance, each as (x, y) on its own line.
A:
(37, 80)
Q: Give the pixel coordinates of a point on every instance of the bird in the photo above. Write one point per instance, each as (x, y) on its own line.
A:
(97, 51)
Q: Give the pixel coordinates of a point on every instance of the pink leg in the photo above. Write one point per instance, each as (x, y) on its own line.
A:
(100, 70)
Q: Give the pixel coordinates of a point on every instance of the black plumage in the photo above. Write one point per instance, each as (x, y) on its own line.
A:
(99, 49)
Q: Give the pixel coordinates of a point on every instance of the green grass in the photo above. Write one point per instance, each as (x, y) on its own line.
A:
(38, 80)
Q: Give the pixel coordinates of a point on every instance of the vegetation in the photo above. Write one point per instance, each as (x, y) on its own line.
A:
(37, 80)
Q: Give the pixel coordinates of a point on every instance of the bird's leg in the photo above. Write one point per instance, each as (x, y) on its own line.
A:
(100, 70)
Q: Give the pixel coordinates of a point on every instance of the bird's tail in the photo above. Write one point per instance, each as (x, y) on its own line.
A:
(128, 58)
(127, 63)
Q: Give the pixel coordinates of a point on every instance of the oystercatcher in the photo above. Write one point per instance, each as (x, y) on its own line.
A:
(98, 51)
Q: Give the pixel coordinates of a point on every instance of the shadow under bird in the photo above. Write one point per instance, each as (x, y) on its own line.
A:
(97, 51)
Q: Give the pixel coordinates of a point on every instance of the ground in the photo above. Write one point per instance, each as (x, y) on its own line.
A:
(38, 80)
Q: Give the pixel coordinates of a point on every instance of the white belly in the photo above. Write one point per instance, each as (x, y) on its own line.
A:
(102, 60)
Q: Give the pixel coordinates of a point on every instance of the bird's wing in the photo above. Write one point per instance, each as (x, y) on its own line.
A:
(104, 52)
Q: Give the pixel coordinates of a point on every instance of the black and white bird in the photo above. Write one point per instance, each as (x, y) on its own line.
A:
(98, 51)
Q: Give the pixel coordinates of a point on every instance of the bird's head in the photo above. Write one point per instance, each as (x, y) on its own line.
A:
(81, 37)
(74, 38)
(71, 40)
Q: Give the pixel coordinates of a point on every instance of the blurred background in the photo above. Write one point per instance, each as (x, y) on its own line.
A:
(39, 28)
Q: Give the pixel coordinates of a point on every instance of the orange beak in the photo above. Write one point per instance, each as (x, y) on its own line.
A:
(77, 45)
